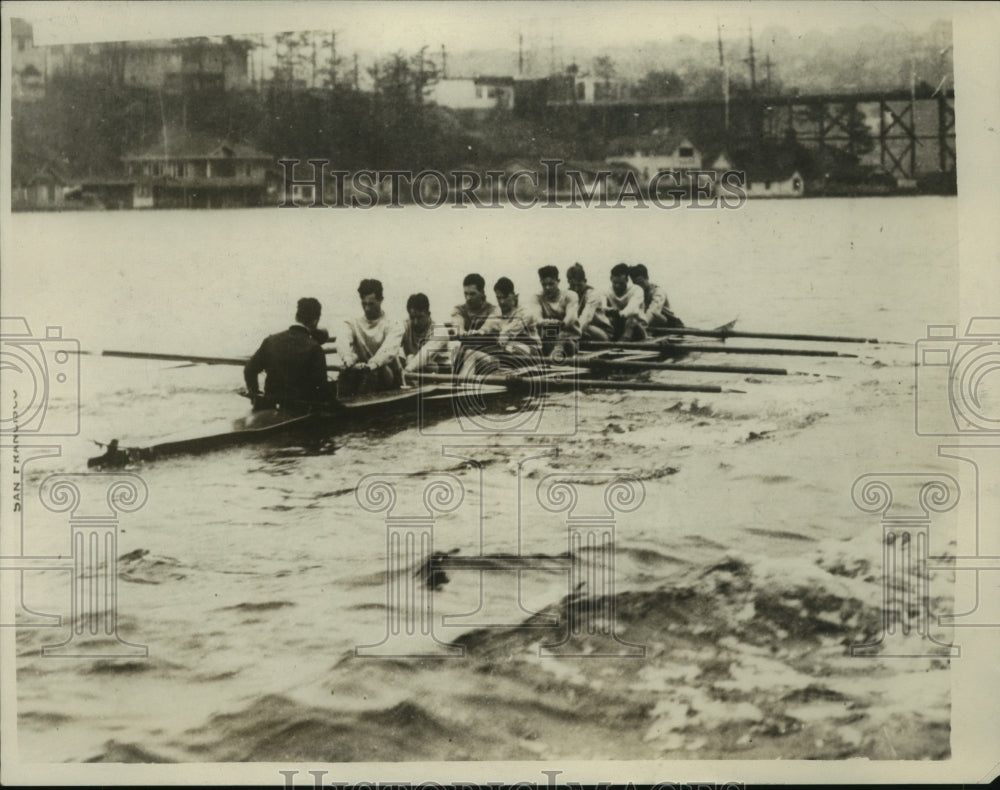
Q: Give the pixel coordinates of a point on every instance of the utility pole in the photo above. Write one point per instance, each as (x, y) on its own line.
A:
(444, 63)
(262, 71)
(767, 67)
(725, 76)
(520, 54)
(753, 64)
(913, 118)
(313, 78)
(420, 79)
(357, 84)
(333, 58)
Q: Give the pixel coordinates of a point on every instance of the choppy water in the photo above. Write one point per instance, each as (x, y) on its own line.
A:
(252, 574)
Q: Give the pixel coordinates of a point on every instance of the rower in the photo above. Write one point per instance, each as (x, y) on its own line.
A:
(590, 311)
(656, 310)
(557, 312)
(294, 363)
(424, 346)
(506, 340)
(369, 349)
(469, 316)
(514, 340)
(623, 305)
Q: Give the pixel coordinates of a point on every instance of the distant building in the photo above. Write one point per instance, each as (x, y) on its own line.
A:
(656, 153)
(472, 93)
(38, 182)
(189, 65)
(195, 170)
(763, 179)
(27, 63)
(575, 88)
(594, 90)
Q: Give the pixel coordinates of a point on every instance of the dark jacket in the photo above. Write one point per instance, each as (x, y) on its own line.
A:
(295, 365)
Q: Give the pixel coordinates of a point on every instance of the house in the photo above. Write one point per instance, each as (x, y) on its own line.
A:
(589, 89)
(472, 93)
(27, 63)
(38, 183)
(189, 65)
(655, 153)
(767, 177)
(572, 87)
(195, 170)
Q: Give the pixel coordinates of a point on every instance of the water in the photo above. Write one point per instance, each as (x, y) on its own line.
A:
(252, 573)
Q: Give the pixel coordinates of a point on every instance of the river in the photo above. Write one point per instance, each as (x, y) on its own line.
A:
(252, 574)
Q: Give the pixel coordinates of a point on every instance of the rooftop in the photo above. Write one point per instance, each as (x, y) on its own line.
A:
(185, 144)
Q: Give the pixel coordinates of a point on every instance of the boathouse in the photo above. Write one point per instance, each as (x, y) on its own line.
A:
(195, 170)
(768, 179)
(655, 153)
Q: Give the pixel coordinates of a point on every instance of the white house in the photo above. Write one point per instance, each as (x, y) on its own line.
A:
(761, 180)
(472, 93)
(656, 153)
(589, 89)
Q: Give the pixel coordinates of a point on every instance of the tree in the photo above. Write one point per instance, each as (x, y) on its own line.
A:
(331, 77)
(658, 84)
(859, 136)
(404, 132)
(604, 69)
(292, 57)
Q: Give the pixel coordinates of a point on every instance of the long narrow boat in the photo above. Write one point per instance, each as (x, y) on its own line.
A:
(433, 401)
(601, 366)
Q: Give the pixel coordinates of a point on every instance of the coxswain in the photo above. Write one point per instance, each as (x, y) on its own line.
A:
(294, 363)
(594, 324)
(656, 310)
(557, 312)
(424, 346)
(623, 305)
(369, 349)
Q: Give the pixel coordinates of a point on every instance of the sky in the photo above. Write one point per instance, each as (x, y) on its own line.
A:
(460, 25)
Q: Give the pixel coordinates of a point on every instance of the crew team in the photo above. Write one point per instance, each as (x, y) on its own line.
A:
(481, 337)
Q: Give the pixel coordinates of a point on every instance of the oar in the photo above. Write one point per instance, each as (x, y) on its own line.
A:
(636, 365)
(671, 350)
(187, 357)
(726, 333)
(569, 384)
(176, 357)
(629, 364)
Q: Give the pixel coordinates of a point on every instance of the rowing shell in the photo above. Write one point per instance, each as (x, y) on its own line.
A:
(273, 423)
(433, 397)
